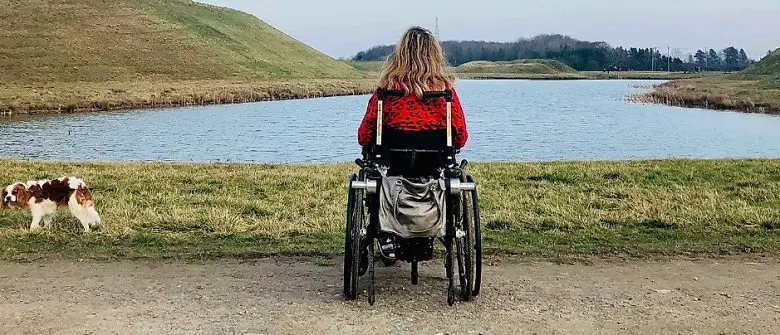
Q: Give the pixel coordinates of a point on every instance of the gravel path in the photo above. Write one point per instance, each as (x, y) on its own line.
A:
(302, 296)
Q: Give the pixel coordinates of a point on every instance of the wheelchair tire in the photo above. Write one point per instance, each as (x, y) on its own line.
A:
(466, 249)
(477, 240)
(352, 241)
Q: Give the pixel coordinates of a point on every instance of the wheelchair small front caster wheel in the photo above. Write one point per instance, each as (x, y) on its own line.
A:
(415, 274)
(451, 295)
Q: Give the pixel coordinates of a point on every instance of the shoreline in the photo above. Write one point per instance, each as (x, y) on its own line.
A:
(20, 100)
(115, 96)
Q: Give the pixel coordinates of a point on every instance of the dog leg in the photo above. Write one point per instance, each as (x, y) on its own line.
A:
(84, 218)
(80, 213)
(47, 221)
(94, 217)
(37, 214)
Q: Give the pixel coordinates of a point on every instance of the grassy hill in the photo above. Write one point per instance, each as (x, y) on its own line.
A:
(770, 65)
(67, 46)
(518, 69)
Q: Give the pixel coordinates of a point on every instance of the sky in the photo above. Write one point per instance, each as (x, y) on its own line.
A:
(341, 28)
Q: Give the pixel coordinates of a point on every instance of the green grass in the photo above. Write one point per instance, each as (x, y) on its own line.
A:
(640, 208)
(50, 49)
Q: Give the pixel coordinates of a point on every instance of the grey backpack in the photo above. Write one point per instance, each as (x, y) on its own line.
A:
(410, 208)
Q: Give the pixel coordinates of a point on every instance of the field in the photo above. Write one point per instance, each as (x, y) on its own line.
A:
(131, 53)
(637, 208)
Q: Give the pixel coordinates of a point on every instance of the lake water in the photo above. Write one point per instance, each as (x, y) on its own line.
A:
(507, 120)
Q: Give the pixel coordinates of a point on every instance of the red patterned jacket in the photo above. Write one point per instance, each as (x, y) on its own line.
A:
(412, 115)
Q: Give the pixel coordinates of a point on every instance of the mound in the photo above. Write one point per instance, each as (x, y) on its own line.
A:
(524, 66)
(44, 41)
(770, 65)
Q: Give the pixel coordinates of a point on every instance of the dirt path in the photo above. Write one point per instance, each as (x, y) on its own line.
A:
(294, 296)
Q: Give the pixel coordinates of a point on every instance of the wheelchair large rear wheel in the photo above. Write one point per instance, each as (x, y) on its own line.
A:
(352, 241)
(469, 247)
(475, 235)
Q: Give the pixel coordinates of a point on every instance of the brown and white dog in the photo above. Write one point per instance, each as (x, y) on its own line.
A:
(44, 197)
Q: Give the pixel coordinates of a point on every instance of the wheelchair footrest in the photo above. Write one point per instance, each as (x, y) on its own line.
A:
(414, 249)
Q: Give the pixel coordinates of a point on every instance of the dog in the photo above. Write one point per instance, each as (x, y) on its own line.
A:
(44, 197)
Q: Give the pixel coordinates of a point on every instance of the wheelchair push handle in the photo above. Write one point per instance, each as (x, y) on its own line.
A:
(383, 93)
(446, 94)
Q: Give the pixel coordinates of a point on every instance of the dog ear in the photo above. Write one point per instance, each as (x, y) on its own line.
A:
(22, 195)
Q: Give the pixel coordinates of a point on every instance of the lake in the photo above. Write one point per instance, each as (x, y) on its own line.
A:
(515, 120)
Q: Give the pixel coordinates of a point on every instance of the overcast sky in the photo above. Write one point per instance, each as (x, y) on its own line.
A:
(341, 28)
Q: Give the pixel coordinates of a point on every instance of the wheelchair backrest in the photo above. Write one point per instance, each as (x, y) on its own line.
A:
(433, 146)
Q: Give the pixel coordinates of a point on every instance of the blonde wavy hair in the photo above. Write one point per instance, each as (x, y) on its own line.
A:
(417, 64)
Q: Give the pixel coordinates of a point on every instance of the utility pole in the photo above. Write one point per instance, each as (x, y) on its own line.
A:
(669, 59)
(652, 60)
(437, 29)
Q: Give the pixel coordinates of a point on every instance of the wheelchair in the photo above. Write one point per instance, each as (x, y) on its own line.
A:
(365, 242)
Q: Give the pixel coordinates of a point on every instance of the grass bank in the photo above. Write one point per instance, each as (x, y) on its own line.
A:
(90, 96)
(738, 92)
(756, 89)
(640, 208)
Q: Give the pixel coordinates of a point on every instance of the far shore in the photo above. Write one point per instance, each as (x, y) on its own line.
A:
(76, 97)
(587, 75)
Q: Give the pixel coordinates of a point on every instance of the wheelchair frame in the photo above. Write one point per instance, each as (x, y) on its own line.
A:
(462, 238)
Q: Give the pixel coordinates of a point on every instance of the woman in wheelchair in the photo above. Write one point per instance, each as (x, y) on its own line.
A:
(412, 130)
(413, 121)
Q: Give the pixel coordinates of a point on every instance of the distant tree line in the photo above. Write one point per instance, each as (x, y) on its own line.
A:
(580, 55)
(728, 59)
